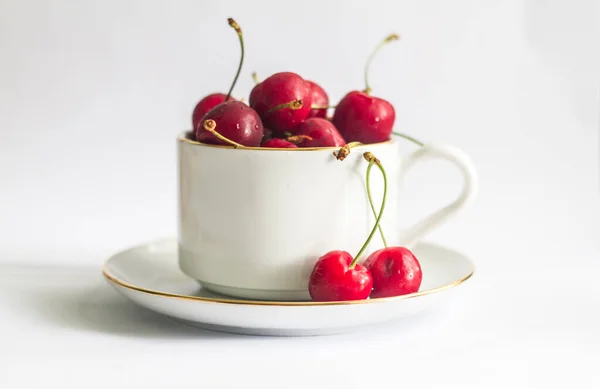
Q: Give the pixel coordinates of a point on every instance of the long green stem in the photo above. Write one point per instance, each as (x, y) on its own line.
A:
(373, 206)
(372, 160)
(237, 29)
(388, 39)
(408, 137)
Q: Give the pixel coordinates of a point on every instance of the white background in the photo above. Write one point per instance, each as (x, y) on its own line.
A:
(92, 95)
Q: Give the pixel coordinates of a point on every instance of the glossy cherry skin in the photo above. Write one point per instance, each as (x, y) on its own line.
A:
(319, 98)
(331, 280)
(281, 88)
(395, 271)
(252, 99)
(205, 105)
(278, 143)
(363, 118)
(322, 132)
(235, 121)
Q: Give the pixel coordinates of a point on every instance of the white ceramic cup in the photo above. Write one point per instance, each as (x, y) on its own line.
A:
(252, 222)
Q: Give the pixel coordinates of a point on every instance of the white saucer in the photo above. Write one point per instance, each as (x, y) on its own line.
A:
(150, 276)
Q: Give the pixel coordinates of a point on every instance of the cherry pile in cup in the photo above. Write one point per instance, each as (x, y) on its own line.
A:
(286, 111)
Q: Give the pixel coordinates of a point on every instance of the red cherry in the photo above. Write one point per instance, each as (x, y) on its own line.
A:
(254, 94)
(360, 117)
(332, 279)
(233, 120)
(363, 118)
(322, 132)
(395, 270)
(278, 143)
(319, 99)
(279, 89)
(205, 105)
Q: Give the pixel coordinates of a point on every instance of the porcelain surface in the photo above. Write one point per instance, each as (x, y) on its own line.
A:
(149, 275)
(252, 222)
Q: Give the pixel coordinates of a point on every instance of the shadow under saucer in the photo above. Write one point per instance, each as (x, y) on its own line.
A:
(77, 297)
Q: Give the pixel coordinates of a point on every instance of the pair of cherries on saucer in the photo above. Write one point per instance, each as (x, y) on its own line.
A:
(287, 111)
(387, 272)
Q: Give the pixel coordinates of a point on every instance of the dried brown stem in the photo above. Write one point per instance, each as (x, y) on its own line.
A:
(371, 158)
(297, 139)
(344, 151)
(293, 105)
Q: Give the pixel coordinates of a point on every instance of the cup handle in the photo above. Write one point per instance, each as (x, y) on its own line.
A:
(411, 235)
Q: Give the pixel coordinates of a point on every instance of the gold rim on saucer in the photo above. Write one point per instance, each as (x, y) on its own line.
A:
(127, 285)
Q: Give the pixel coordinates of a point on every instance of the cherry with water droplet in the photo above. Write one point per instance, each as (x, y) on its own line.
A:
(322, 132)
(395, 270)
(276, 91)
(205, 105)
(227, 124)
(360, 117)
(337, 276)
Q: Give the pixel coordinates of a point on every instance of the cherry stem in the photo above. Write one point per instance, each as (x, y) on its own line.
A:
(255, 78)
(390, 38)
(371, 203)
(296, 139)
(372, 160)
(408, 137)
(210, 126)
(237, 29)
(344, 151)
(293, 105)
